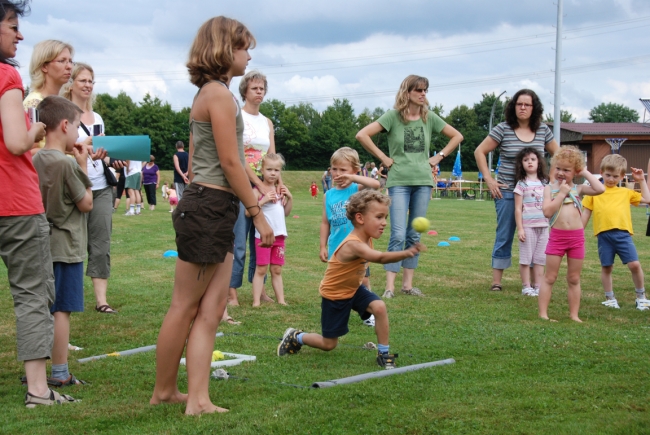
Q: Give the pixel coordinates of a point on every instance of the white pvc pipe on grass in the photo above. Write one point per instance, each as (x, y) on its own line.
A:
(126, 352)
(380, 374)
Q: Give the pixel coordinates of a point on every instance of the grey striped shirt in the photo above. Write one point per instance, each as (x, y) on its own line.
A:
(510, 145)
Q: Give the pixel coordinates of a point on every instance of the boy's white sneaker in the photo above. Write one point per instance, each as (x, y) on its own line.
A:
(642, 304)
(370, 321)
(528, 291)
(611, 303)
(129, 213)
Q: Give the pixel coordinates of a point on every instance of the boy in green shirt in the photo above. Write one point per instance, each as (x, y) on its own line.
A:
(66, 194)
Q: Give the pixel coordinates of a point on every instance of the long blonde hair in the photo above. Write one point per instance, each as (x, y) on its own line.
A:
(44, 52)
(402, 100)
(66, 90)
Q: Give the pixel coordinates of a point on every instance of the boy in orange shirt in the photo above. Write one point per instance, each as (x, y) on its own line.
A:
(341, 288)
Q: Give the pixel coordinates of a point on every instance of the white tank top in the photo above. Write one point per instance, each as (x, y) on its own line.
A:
(256, 139)
(274, 214)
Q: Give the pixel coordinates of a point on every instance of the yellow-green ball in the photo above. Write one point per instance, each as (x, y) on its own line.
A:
(421, 224)
(217, 356)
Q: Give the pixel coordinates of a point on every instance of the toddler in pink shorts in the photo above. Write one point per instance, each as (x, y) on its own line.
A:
(275, 206)
(562, 204)
(273, 255)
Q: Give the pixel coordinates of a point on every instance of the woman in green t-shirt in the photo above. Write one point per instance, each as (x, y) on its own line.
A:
(410, 127)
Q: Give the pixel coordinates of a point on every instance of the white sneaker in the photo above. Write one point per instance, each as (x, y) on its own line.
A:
(370, 321)
(611, 303)
(528, 291)
(536, 291)
(129, 213)
(642, 304)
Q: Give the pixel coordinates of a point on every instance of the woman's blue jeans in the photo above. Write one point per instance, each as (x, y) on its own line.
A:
(407, 203)
(244, 229)
(506, 226)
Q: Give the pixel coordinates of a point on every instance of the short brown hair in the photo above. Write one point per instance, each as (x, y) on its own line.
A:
(54, 109)
(346, 154)
(570, 154)
(615, 163)
(211, 54)
(360, 202)
(249, 77)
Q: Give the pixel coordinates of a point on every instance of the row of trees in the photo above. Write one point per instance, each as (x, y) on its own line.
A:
(308, 138)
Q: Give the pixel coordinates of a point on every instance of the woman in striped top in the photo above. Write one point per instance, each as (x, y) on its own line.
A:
(523, 128)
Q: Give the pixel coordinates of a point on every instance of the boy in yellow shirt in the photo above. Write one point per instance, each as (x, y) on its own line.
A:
(341, 289)
(613, 226)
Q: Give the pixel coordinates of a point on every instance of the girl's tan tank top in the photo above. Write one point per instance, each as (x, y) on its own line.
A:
(206, 165)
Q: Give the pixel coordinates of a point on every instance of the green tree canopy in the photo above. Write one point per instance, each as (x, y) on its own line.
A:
(465, 120)
(483, 109)
(612, 112)
(565, 116)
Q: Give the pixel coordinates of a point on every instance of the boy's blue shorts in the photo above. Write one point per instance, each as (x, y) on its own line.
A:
(614, 242)
(335, 315)
(68, 287)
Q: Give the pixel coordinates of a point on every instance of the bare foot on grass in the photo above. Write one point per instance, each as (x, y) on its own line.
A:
(576, 319)
(266, 298)
(207, 409)
(176, 397)
(546, 318)
(232, 297)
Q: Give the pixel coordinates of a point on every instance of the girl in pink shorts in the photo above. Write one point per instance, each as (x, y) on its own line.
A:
(173, 199)
(563, 206)
(276, 206)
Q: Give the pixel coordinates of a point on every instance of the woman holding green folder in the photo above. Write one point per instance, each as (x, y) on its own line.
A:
(79, 90)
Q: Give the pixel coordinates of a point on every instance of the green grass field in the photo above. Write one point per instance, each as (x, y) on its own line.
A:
(513, 372)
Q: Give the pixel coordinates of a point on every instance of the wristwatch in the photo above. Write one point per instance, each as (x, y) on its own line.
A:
(442, 154)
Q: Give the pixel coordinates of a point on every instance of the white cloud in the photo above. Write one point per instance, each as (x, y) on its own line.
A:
(312, 51)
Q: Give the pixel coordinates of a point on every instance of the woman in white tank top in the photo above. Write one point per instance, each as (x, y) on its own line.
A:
(258, 141)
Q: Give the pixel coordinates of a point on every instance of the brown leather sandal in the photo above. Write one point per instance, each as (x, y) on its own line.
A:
(106, 309)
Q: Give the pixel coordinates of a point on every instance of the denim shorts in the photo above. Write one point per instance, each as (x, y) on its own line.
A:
(68, 287)
(335, 315)
(204, 221)
(614, 242)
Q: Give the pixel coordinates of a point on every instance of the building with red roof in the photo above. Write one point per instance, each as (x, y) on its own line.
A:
(591, 137)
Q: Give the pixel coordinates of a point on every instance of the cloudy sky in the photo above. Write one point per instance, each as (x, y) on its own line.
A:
(361, 50)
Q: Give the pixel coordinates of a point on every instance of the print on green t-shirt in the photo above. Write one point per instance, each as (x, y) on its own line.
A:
(414, 139)
(409, 146)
